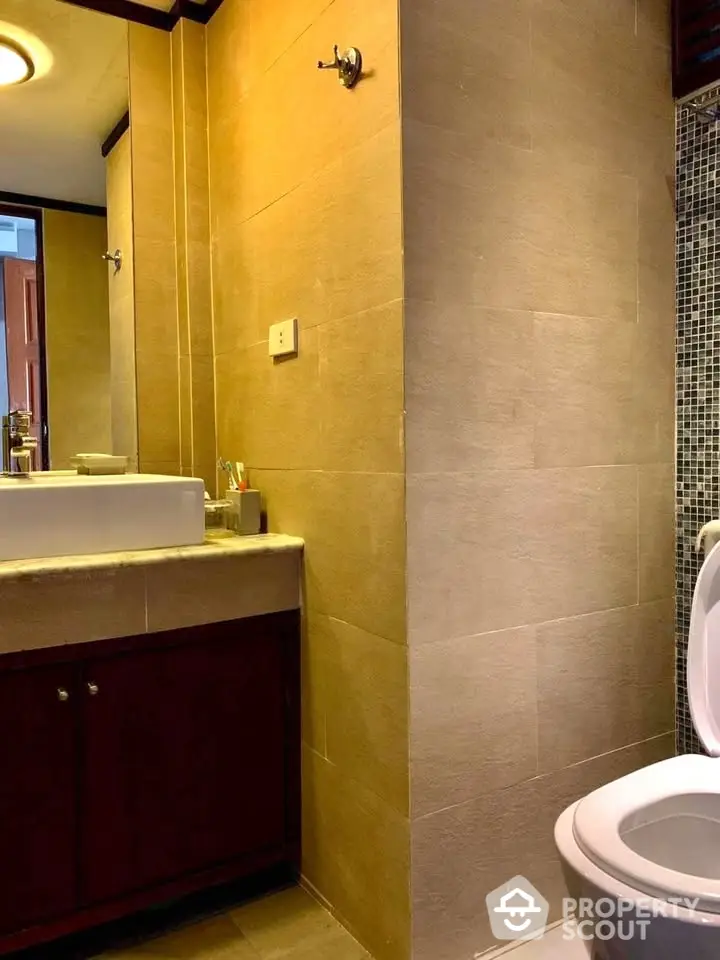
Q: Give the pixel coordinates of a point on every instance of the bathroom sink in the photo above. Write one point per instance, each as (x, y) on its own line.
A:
(58, 514)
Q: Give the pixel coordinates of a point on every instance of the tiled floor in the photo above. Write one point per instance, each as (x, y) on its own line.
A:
(551, 947)
(289, 925)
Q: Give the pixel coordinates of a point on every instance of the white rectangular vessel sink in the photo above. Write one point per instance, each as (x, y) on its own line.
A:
(59, 514)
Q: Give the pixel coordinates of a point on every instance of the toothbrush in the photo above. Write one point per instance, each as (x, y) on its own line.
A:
(240, 470)
(224, 465)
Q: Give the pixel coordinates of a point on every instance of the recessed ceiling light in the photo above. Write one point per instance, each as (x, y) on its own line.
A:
(15, 64)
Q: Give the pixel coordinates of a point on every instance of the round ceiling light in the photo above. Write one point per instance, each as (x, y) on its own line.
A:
(15, 64)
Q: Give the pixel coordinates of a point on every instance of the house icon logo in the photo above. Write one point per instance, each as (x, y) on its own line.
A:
(517, 911)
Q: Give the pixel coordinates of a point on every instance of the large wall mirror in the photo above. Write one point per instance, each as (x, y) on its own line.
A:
(66, 313)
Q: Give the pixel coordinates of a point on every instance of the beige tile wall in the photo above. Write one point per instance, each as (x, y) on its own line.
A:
(485, 841)
(539, 367)
(192, 217)
(173, 302)
(527, 327)
(155, 266)
(121, 286)
(77, 335)
(305, 189)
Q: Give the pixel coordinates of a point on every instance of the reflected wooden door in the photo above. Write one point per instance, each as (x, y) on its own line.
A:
(23, 340)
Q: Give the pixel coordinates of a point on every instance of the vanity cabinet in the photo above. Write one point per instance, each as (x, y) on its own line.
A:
(38, 809)
(144, 767)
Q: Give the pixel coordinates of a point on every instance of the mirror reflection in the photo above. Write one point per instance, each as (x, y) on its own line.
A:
(66, 305)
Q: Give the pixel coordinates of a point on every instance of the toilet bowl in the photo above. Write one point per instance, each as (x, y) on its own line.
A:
(641, 855)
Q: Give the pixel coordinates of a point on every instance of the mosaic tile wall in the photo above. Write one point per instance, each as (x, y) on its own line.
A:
(698, 371)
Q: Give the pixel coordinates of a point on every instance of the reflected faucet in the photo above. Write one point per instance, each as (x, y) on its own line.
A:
(18, 445)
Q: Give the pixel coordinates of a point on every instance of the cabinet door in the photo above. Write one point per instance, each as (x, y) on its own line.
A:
(38, 816)
(184, 758)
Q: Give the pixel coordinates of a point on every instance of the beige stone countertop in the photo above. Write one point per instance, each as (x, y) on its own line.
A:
(60, 600)
(212, 549)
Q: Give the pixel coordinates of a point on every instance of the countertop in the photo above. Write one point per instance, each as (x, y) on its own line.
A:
(212, 549)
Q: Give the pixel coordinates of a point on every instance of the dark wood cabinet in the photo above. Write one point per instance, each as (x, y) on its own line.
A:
(38, 812)
(184, 745)
(159, 763)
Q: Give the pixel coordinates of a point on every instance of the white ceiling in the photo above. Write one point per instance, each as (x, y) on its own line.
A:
(52, 128)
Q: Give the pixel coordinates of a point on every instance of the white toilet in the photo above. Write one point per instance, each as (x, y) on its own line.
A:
(652, 838)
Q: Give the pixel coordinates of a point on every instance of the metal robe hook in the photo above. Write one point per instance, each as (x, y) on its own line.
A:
(115, 258)
(348, 66)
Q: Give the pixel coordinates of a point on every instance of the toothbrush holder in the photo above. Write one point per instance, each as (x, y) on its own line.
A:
(243, 511)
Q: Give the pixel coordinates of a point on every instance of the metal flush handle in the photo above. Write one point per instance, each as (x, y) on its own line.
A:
(93, 689)
(62, 694)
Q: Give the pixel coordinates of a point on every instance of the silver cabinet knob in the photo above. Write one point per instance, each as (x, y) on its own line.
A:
(93, 689)
(62, 694)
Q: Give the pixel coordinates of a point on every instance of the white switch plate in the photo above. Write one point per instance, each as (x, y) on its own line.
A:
(283, 338)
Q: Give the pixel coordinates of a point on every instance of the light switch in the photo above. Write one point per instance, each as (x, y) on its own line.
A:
(283, 339)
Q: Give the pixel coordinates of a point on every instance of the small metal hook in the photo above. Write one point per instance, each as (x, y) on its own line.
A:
(348, 66)
(115, 258)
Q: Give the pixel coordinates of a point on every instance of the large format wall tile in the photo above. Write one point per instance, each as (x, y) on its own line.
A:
(500, 195)
(192, 254)
(501, 227)
(306, 222)
(356, 852)
(269, 411)
(158, 401)
(361, 391)
(506, 548)
(355, 705)
(604, 393)
(602, 36)
(656, 240)
(539, 260)
(653, 18)
(586, 385)
(336, 406)
(358, 525)
(604, 681)
(474, 717)
(77, 334)
(466, 76)
(156, 301)
(367, 708)
(155, 288)
(462, 853)
(311, 115)
(315, 679)
(469, 389)
(316, 271)
(268, 30)
(657, 531)
(350, 522)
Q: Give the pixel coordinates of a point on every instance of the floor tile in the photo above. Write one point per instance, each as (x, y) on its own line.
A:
(215, 939)
(552, 946)
(291, 925)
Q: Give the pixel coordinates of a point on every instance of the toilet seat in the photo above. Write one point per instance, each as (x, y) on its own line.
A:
(604, 820)
(703, 655)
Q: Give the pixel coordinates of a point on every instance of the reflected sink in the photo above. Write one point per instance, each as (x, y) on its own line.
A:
(59, 514)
